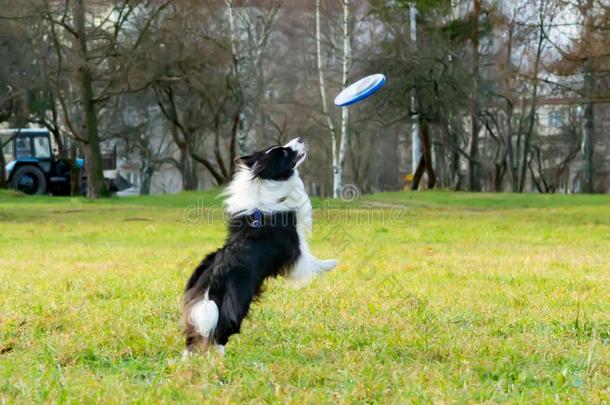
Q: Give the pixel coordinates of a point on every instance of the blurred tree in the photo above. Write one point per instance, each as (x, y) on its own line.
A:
(339, 140)
(587, 56)
(552, 154)
(544, 16)
(436, 69)
(6, 109)
(218, 77)
(474, 178)
(89, 65)
(211, 102)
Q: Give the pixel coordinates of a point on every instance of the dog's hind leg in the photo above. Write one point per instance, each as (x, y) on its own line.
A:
(220, 349)
(233, 309)
(194, 343)
(200, 317)
(199, 313)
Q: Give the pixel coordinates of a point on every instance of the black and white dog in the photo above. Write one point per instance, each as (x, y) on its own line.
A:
(270, 216)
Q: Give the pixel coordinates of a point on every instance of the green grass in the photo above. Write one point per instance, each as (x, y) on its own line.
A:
(439, 297)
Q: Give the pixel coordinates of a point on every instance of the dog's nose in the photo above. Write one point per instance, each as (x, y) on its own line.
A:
(299, 140)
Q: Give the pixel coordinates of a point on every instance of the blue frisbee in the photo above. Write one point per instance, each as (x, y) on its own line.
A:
(360, 90)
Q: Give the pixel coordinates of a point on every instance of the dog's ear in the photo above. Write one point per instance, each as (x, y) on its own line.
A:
(246, 161)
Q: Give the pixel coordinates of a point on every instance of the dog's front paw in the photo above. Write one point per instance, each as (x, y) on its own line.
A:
(328, 265)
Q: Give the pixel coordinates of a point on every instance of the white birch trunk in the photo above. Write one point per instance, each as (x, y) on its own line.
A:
(241, 137)
(329, 121)
(339, 149)
(339, 160)
(588, 130)
(415, 141)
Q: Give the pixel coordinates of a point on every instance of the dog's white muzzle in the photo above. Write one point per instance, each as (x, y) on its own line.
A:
(299, 147)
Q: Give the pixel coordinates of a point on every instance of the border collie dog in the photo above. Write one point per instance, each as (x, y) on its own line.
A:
(269, 218)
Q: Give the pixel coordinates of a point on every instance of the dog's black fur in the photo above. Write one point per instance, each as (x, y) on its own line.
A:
(259, 245)
(274, 163)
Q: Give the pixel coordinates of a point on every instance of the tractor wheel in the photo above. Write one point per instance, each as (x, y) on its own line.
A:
(29, 180)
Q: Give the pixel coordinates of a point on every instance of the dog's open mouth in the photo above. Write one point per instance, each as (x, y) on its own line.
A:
(299, 158)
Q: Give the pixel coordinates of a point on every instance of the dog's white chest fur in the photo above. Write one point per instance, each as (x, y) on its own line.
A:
(247, 193)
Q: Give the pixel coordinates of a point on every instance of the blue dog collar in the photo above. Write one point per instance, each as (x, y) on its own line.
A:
(257, 219)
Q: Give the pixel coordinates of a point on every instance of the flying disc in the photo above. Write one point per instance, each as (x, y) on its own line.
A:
(360, 90)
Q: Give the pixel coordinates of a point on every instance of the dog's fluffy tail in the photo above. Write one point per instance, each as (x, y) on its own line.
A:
(204, 316)
(200, 319)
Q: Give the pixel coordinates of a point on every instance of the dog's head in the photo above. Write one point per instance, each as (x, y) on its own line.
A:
(276, 162)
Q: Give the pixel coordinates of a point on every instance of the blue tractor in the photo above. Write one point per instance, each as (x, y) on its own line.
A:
(30, 165)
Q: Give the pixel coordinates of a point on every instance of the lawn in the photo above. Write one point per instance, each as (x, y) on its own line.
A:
(439, 297)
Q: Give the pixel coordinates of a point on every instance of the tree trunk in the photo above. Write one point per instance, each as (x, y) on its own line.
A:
(347, 55)
(455, 171)
(415, 137)
(425, 163)
(427, 152)
(54, 127)
(329, 121)
(75, 172)
(242, 134)
(93, 155)
(61, 149)
(508, 110)
(588, 140)
(93, 161)
(145, 184)
(187, 169)
(6, 110)
(3, 183)
(499, 175)
(474, 178)
(587, 146)
(146, 172)
(419, 172)
(338, 151)
(532, 113)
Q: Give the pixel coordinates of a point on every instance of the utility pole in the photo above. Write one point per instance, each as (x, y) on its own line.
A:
(415, 140)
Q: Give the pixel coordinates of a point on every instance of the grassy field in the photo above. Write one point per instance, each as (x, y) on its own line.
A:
(439, 297)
